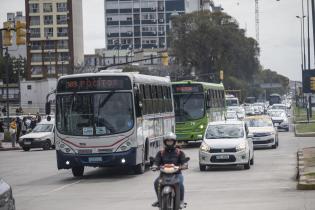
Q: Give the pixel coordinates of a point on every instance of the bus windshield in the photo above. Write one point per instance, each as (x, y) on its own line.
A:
(94, 113)
(189, 107)
(231, 102)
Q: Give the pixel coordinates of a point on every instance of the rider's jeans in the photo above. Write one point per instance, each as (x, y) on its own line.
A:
(181, 186)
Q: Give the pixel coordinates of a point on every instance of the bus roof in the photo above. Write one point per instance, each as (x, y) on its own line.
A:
(204, 84)
(275, 94)
(134, 76)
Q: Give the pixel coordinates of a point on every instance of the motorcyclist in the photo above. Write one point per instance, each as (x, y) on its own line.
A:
(170, 155)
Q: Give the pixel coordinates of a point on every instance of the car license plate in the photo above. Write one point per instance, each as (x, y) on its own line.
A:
(27, 142)
(95, 159)
(276, 124)
(222, 157)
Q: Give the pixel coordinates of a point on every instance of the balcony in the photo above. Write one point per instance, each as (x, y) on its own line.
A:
(126, 22)
(109, 35)
(125, 10)
(149, 21)
(112, 23)
(111, 11)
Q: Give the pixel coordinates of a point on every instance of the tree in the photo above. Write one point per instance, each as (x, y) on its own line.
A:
(211, 41)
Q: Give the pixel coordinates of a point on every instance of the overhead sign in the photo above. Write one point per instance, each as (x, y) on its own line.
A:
(309, 81)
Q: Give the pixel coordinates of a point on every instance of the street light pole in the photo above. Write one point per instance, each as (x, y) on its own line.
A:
(302, 55)
(308, 36)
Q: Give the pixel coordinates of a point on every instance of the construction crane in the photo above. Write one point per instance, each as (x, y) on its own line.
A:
(257, 19)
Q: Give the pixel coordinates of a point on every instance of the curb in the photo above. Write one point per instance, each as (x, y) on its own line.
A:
(9, 149)
(303, 182)
(309, 134)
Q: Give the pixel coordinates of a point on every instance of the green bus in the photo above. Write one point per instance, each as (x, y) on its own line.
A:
(196, 104)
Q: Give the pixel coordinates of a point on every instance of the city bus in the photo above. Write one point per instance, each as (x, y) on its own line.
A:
(111, 120)
(274, 99)
(196, 104)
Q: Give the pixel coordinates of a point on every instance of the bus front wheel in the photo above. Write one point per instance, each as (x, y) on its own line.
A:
(78, 171)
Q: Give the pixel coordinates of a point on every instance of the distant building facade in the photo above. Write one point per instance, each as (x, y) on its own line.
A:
(55, 38)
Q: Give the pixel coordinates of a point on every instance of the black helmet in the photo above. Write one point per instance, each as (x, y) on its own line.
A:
(170, 136)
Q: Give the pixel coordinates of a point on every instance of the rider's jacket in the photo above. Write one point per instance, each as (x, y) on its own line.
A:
(170, 156)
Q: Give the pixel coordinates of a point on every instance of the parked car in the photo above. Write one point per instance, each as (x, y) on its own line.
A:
(42, 136)
(263, 131)
(226, 143)
(7, 201)
(279, 119)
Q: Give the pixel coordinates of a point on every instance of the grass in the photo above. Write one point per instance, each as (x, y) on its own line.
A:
(300, 114)
(310, 174)
(305, 128)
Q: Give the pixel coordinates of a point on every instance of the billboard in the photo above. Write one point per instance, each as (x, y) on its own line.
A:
(308, 81)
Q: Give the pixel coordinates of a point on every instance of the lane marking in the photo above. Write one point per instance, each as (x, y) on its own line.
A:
(60, 188)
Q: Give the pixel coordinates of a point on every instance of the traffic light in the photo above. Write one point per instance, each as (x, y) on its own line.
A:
(312, 84)
(165, 59)
(20, 33)
(7, 35)
(221, 75)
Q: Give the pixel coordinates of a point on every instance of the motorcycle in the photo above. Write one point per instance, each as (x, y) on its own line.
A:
(169, 190)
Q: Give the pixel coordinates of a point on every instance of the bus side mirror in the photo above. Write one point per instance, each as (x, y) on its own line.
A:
(47, 108)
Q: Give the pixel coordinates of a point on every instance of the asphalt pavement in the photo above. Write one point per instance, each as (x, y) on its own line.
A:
(269, 185)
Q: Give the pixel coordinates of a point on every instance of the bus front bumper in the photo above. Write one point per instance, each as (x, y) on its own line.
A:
(116, 159)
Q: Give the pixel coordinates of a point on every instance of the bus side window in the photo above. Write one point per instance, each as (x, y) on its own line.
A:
(164, 99)
(160, 95)
(212, 98)
(215, 98)
(138, 101)
(142, 99)
(170, 104)
(147, 99)
(208, 99)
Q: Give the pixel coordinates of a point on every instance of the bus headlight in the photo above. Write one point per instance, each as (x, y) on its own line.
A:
(65, 148)
(125, 146)
(201, 126)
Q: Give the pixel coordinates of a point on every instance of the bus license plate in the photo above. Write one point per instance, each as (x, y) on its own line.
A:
(95, 159)
(222, 157)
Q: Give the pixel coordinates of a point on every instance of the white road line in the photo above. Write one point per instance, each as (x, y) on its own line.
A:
(60, 188)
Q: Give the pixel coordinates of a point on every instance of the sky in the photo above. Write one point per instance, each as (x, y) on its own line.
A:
(280, 33)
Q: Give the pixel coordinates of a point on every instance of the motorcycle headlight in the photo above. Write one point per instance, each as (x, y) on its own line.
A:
(64, 148)
(204, 147)
(241, 147)
(127, 145)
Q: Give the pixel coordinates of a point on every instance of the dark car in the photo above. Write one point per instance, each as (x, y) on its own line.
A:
(7, 201)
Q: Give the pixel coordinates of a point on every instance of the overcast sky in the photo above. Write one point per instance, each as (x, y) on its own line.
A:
(279, 29)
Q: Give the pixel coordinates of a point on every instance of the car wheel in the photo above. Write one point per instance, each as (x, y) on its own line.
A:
(202, 167)
(247, 165)
(78, 171)
(26, 149)
(46, 145)
(252, 161)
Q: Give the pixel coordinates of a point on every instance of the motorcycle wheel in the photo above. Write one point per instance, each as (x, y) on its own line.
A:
(167, 202)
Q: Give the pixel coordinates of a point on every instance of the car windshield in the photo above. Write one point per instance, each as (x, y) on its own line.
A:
(94, 114)
(258, 122)
(189, 107)
(277, 114)
(231, 102)
(278, 107)
(228, 131)
(43, 128)
(231, 115)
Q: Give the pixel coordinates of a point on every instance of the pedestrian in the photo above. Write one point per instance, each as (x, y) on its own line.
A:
(1, 133)
(12, 131)
(38, 118)
(33, 123)
(24, 126)
(18, 128)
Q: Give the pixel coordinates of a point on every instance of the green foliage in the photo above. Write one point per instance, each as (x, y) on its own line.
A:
(13, 75)
(210, 42)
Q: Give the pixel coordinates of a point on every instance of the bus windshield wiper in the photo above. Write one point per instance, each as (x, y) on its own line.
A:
(188, 97)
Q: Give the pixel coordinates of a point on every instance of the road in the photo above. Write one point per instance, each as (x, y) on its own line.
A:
(269, 185)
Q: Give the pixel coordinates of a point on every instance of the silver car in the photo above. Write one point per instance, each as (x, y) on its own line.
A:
(7, 201)
(226, 143)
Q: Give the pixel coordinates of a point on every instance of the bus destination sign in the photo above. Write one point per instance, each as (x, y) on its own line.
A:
(187, 88)
(94, 84)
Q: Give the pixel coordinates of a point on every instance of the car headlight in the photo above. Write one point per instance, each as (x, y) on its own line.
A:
(127, 145)
(285, 120)
(5, 197)
(65, 148)
(204, 147)
(241, 147)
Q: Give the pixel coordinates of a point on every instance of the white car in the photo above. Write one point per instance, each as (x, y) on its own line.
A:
(279, 106)
(249, 110)
(231, 115)
(42, 136)
(263, 132)
(240, 111)
(226, 143)
(279, 118)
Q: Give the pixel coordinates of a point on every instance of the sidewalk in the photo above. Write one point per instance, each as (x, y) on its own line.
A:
(7, 146)
(306, 169)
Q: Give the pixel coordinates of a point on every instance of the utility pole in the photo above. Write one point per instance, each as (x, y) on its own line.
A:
(313, 17)
(308, 36)
(6, 58)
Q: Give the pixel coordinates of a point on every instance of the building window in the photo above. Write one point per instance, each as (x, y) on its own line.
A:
(35, 33)
(34, 8)
(64, 56)
(49, 32)
(34, 20)
(48, 7)
(29, 102)
(36, 57)
(62, 32)
(63, 44)
(62, 19)
(29, 87)
(48, 20)
(149, 16)
(36, 70)
(49, 57)
(49, 44)
(62, 7)
(36, 45)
